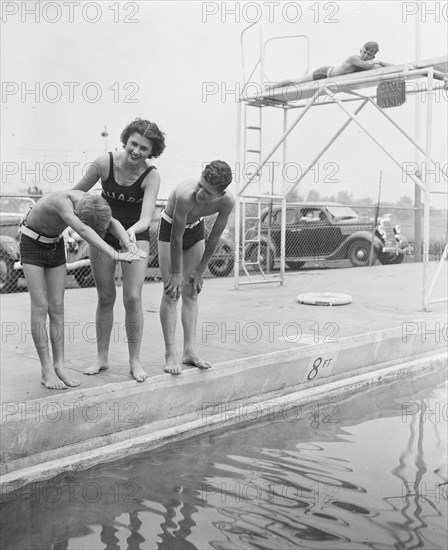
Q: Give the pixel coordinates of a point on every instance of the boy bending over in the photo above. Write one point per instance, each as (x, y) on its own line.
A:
(183, 257)
(42, 254)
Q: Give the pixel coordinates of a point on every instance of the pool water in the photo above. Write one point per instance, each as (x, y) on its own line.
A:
(365, 472)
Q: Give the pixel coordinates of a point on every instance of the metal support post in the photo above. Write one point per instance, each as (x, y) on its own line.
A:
(332, 140)
(427, 189)
(284, 136)
(354, 118)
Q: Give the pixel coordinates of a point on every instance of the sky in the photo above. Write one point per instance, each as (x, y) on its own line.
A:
(71, 68)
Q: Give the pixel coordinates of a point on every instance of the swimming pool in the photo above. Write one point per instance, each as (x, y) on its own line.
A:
(366, 471)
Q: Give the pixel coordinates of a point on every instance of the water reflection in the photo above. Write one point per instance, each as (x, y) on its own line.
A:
(417, 493)
(374, 479)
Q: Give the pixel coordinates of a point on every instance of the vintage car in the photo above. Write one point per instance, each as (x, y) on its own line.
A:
(324, 231)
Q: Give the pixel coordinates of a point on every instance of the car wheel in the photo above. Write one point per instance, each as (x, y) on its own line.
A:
(223, 265)
(8, 275)
(295, 265)
(359, 253)
(84, 277)
(251, 255)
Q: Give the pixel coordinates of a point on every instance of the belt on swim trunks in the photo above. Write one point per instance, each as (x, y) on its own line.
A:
(37, 236)
(169, 219)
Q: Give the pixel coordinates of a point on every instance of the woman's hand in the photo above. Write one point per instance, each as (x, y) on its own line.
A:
(133, 247)
(131, 256)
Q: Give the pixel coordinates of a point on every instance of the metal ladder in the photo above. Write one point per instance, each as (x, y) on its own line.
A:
(249, 262)
(253, 127)
(244, 151)
(252, 153)
(260, 276)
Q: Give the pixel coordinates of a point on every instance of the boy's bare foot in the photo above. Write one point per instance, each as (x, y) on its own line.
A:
(138, 373)
(64, 376)
(192, 358)
(97, 367)
(172, 365)
(51, 381)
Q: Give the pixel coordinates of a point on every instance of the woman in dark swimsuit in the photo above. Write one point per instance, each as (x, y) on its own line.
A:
(130, 186)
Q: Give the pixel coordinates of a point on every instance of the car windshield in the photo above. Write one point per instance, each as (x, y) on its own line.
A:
(15, 204)
(342, 212)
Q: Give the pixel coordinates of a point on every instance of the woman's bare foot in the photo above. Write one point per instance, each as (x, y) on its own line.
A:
(97, 367)
(51, 381)
(192, 358)
(137, 372)
(172, 365)
(64, 376)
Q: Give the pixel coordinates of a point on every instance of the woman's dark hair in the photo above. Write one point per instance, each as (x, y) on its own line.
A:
(148, 130)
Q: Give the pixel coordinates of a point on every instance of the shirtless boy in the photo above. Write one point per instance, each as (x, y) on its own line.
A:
(42, 255)
(183, 257)
(353, 64)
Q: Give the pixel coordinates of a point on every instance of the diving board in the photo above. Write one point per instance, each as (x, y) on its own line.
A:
(438, 63)
(350, 82)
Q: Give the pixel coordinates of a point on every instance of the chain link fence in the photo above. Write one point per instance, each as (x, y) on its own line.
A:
(319, 234)
(329, 235)
(79, 274)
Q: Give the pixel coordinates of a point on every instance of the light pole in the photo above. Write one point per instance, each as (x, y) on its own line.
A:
(417, 156)
(105, 135)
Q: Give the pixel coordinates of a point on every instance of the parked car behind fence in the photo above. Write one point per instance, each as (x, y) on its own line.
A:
(324, 231)
(314, 232)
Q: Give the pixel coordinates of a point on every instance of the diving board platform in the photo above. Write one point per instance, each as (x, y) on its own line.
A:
(351, 82)
(379, 89)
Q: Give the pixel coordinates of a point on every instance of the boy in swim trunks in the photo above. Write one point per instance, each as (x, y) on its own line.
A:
(353, 64)
(183, 257)
(42, 255)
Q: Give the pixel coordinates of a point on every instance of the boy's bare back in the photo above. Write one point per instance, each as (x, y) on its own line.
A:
(45, 216)
(354, 64)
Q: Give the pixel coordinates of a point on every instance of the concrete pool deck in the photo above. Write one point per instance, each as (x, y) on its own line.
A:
(264, 345)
